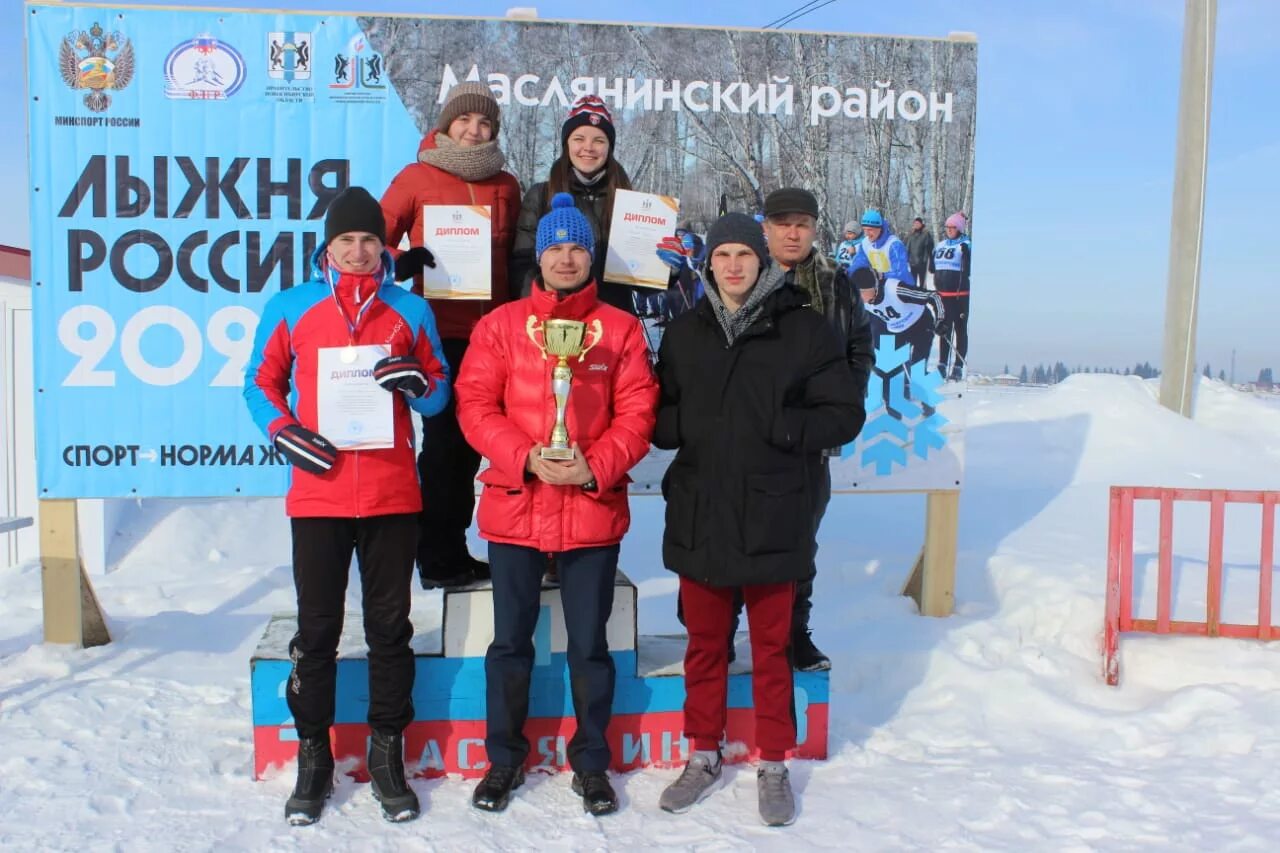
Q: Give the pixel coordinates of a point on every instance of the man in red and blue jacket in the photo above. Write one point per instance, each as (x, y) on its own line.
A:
(354, 498)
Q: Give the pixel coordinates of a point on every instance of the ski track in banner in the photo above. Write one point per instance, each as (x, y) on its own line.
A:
(988, 730)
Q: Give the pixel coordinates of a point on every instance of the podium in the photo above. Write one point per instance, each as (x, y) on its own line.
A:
(447, 733)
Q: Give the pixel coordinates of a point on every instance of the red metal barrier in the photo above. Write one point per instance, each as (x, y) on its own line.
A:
(1119, 616)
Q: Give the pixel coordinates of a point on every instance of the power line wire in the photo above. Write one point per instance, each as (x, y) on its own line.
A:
(796, 16)
(803, 9)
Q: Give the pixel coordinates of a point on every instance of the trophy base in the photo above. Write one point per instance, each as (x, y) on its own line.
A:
(564, 454)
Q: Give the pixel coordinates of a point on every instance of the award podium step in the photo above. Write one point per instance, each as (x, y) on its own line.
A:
(447, 733)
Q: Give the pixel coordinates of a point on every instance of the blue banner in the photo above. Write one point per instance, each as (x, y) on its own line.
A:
(182, 162)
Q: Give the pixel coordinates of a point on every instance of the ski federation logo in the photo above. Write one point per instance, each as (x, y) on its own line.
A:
(203, 69)
(98, 61)
(358, 73)
(289, 56)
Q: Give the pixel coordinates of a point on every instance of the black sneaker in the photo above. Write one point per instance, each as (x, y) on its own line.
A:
(493, 794)
(805, 656)
(315, 782)
(386, 776)
(597, 794)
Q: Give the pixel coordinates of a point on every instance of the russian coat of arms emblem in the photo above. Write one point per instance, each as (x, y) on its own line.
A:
(98, 61)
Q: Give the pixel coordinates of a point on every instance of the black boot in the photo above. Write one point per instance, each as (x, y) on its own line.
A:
(479, 568)
(315, 781)
(805, 656)
(386, 775)
(441, 575)
(597, 794)
(493, 794)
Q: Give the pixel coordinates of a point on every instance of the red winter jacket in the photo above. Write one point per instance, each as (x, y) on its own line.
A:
(505, 407)
(282, 376)
(420, 184)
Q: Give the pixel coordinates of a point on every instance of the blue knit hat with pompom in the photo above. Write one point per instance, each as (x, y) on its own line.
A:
(565, 224)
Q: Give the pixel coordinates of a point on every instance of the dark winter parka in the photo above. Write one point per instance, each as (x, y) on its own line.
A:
(749, 422)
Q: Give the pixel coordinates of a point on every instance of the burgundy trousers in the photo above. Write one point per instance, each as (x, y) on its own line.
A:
(708, 613)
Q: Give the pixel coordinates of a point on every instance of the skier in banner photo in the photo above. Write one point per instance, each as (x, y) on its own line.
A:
(881, 250)
(349, 323)
(683, 254)
(911, 314)
(848, 246)
(459, 163)
(950, 266)
(919, 242)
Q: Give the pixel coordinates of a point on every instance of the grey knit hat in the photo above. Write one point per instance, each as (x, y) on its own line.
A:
(738, 228)
(469, 98)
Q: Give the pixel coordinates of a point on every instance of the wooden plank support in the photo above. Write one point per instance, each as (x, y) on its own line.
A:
(71, 611)
(932, 581)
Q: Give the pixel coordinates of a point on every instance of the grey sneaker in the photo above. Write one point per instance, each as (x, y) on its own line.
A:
(777, 803)
(699, 779)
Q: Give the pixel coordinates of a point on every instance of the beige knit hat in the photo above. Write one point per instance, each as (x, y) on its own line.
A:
(469, 98)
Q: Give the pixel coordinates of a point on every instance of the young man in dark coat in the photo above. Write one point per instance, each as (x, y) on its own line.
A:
(754, 386)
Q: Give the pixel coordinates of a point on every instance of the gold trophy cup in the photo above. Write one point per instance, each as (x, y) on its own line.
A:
(564, 339)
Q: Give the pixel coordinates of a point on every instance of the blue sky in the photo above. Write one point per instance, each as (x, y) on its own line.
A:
(1076, 124)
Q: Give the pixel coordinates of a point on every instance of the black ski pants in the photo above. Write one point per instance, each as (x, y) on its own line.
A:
(322, 547)
(447, 469)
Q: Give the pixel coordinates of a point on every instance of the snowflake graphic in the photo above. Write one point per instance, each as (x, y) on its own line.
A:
(902, 419)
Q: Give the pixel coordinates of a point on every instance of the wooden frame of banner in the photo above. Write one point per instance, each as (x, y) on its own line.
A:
(71, 610)
(932, 581)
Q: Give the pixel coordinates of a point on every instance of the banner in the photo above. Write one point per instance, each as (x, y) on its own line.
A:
(182, 162)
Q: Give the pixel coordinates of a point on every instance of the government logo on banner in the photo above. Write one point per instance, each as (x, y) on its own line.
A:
(358, 74)
(289, 61)
(98, 61)
(203, 69)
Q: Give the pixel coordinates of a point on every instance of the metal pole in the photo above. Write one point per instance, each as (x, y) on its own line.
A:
(1187, 230)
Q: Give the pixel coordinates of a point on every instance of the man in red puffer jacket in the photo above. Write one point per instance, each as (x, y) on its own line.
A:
(531, 506)
(458, 163)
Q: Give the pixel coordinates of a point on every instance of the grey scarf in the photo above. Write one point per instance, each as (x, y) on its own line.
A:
(471, 163)
(735, 323)
(588, 180)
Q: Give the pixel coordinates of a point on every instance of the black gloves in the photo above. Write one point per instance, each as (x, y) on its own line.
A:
(401, 373)
(411, 262)
(309, 451)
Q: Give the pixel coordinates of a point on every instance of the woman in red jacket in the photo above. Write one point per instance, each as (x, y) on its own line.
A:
(459, 162)
(575, 510)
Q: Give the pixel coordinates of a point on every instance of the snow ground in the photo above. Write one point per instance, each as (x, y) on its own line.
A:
(989, 730)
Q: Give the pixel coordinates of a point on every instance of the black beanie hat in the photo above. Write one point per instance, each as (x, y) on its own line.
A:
(354, 209)
(588, 111)
(737, 228)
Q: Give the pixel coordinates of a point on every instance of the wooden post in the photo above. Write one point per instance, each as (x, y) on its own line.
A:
(71, 611)
(932, 581)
